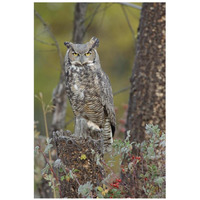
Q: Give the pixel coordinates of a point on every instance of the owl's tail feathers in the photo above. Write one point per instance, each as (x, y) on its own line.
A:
(107, 136)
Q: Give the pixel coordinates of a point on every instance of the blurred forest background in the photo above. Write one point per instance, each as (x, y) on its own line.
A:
(114, 24)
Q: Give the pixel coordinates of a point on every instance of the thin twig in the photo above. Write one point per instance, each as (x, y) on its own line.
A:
(51, 169)
(102, 18)
(92, 18)
(43, 31)
(69, 122)
(46, 51)
(100, 10)
(43, 42)
(129, 24)
(121, 90)
(52, 37)
(104, 11)
(133, 13)
(132, 5)
(73, 175)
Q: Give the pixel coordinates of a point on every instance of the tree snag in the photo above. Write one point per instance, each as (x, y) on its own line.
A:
(81, 159)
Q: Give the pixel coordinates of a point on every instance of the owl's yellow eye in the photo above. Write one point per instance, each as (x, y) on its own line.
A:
(75, 54)
(88, 53)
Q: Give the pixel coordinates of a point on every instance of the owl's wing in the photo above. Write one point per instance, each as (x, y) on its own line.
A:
(107, 99)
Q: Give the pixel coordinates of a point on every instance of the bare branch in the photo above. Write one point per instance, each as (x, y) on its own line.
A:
(69, 122)
(129, 24)
(79, 18)
(132, 5)
(100, 10)
(133, 13)
(104, 11)
(46, 51)
(59, 95)
(52, 37)
(121, 90)
(43, 42)
(92, 17)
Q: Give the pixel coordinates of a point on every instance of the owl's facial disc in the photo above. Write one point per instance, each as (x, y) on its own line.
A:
(82, 54)
(81, 58)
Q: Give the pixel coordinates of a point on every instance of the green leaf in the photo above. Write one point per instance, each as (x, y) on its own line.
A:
(48, 147)
(85, 189)
(150, 151)
(97, 158)
(71, 175)
(159, 181)
(62, 178)
(83, 157)
(100, 188)
(67, 178)
(75, 170)
(45, 169)
(48, 140)
(92, 151)
(37, 149)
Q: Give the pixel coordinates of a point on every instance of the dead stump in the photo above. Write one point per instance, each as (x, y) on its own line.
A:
(81, 159)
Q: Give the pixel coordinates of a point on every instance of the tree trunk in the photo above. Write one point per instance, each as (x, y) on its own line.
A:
(83, 156)
(79, 18)
(147, 95)
(59, 94)
(60, 105)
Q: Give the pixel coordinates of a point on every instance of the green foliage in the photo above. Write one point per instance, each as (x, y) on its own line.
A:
(45, 170)
(51, 181)
(36, 150)
(150, 161)
(153, 152)
(122, 147)
(48, 146)
(113, 193)
(85, 190)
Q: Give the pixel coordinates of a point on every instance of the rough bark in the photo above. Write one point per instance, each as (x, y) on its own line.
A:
(60, 105)
(147, 94)
(59, 93)
(79, 18)
(83, 155)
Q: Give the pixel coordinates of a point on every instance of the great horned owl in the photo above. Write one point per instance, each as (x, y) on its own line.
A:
(89, 91)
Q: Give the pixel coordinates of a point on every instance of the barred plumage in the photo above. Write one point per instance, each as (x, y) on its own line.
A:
(89, 91)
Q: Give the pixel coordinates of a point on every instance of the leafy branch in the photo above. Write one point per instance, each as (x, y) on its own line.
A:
(47, 149)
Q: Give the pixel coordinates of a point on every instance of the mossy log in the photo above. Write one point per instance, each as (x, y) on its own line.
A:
(81, 156)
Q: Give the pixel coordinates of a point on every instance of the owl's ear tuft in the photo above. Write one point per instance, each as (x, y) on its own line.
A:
(94, 41)
(67, 44)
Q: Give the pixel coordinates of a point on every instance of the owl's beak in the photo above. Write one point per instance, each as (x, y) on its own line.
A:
(81, 59)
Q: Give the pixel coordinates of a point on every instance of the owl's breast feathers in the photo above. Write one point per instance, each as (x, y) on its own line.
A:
(90, 94)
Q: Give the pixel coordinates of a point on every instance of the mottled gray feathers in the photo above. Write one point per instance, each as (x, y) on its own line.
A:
(89, 91)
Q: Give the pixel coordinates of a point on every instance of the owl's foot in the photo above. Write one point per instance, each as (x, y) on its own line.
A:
(95, 131)
(92, 126)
